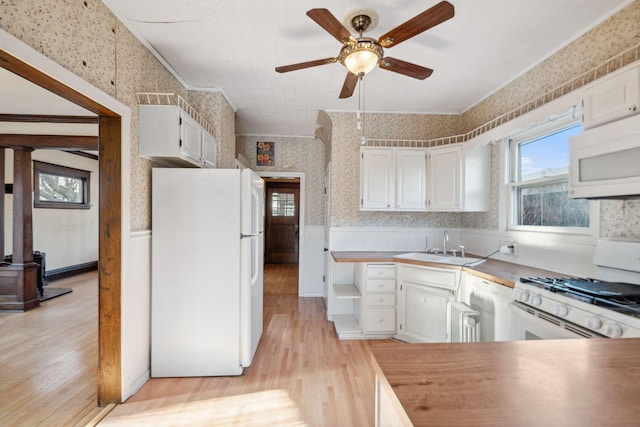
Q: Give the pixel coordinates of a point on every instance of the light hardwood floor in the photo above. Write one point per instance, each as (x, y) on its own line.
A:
(301, 375)
(49, 358)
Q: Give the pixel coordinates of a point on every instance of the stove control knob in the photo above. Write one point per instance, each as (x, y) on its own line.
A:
(535, 300)
(523, 296)
(562, 310)
(594, 322)
(614, 330)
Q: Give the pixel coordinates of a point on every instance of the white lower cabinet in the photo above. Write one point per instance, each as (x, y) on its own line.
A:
(423, 296)
(375, 312)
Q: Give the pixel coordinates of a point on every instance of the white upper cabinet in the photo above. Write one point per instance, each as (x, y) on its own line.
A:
(611, 98)
(168, 135)
(393, 179)
(411, 182)
(376, 179)
(459, 178)
(445, 178)
(209, 150)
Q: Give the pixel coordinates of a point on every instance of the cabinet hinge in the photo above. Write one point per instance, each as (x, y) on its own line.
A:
(180, 121)
(362, 155)
(324, 278)
(180, 142)
(400, 326)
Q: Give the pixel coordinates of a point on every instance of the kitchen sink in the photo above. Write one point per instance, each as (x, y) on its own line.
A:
(441, 258)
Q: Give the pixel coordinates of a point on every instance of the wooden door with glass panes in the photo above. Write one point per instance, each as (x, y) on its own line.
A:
(282, 221)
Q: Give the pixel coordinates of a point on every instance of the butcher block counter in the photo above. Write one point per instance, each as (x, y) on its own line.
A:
(581, 382)
(505, 273)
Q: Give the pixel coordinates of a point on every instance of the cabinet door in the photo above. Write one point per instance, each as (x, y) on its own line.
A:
(376, 179)
(424, 312)
(445, 174)
(411, 180)
(613, 98)
(190, 138)
(209, 150)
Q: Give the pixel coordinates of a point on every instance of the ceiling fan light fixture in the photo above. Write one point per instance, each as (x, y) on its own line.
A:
(361, 57)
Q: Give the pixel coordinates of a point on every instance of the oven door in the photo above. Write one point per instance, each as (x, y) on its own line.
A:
(530, 324)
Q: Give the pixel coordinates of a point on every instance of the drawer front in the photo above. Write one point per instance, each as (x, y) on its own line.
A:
(381, 300)
(383, 271)
(436, 277)
(381, 320)
(381, 285)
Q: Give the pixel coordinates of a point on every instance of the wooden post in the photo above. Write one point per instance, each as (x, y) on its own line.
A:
(2, 184)
(27, 286)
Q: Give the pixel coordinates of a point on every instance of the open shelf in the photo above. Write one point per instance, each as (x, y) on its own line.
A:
(346, 326)
(346, 291)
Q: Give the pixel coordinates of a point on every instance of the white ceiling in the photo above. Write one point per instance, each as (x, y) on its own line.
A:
(234, 46)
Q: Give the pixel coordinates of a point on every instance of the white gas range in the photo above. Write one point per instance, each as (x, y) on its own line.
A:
(606, 306)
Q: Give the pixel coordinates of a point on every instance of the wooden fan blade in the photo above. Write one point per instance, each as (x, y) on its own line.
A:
(330, 23)
(309, 64)
(349, 85)
(406, 68)
(422, 22)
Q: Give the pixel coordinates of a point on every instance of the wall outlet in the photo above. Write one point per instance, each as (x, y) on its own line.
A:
(509, 248)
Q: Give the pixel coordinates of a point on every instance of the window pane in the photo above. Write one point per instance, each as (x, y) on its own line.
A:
(283, 204)
(55, 188)
(546, 156)
(549, 205)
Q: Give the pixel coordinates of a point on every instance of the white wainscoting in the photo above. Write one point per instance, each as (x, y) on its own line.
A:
(391, 239)
(312, 262)
(560, 253)
(136, 315)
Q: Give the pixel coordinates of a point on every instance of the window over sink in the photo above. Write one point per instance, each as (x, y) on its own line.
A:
(539, 181)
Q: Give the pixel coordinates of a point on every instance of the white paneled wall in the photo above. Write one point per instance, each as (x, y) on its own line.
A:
(560, 253)
(136, 315)
(312, 262)
(391, 239)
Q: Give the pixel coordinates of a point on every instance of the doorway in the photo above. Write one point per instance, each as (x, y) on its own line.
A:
(110, 115)
(282, 220)
(282, 229)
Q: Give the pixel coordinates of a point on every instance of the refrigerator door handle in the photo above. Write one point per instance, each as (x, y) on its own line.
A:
(242, 235)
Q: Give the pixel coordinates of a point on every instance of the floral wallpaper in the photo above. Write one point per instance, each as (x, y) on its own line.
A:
(293, 155)
(618, 218)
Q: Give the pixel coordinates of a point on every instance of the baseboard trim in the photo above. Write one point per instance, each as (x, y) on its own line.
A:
(72, 270)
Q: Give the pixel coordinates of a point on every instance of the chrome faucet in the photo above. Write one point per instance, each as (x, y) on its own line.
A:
(445, 240)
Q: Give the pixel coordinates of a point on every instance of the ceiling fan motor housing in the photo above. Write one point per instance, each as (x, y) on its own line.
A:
(362, 56)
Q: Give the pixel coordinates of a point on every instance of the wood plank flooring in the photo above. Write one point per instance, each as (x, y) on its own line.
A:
(49, 358)
(301, 375)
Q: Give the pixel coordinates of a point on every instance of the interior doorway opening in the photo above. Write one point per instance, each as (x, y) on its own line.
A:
(282, 233)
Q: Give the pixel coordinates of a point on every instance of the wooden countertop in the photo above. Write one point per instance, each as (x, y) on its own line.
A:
(581, 382)
(505, 273)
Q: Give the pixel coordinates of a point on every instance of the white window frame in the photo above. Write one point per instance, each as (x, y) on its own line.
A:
(534, 132)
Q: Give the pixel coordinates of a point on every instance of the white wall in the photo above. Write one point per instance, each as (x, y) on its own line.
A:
(68, 236)
(312, 268)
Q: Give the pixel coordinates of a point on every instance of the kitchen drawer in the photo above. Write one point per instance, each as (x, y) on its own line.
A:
(381, 300)
(381, 285)
(381, 320)
(381, 271)
(436, 277)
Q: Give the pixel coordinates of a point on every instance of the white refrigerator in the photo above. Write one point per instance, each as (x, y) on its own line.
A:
(207, 271)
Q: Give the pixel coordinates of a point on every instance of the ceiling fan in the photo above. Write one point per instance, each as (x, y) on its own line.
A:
(360, 55)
